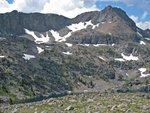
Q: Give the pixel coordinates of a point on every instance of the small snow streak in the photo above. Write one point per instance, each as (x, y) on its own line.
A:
(97, 45)
(139, 33)
(40, 50)
(67, 53)
(147, 38)
(101, 58)
(69, 45)
(142, 43)
(28, 57)
(129, 58)
(142, 70)
(120, 59)
(2, 56)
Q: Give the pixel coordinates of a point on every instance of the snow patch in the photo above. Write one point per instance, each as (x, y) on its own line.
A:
(113, 44)
(120, 59)
(147, 38)
(109, 33)
(127, 74)
(101, 58)
(95, 26)
(142, 70)
(58, 38)
(73, 28)
(67, 53)
(2, 38)
(48, 46)
(2, 56)
(38, 40)
(87, 44)
(69, 92)
(40, 50)
(142, 43)
(97, 45)
(84, 44)
(129, 58)
(85, 91)
(69, 45)
(79, 26)
(28, 57)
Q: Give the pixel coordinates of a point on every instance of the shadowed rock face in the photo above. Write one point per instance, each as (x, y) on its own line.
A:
(15, 22)
(146, 33)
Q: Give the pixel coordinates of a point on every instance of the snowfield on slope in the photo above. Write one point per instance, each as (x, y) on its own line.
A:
(38, 40)
(81, 25)
(56, 35)
(58, 38)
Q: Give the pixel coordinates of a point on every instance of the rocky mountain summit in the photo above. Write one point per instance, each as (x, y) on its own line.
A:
(48, 54)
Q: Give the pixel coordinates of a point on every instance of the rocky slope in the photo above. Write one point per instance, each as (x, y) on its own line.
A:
(48, 54)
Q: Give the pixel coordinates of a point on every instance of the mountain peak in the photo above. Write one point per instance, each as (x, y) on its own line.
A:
(14, 11)
(111, 20)
(114, 19)
(108, 8)
(114, 10)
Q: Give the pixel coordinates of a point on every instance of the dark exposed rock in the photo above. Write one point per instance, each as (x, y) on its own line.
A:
(122, 90)
(15, 22)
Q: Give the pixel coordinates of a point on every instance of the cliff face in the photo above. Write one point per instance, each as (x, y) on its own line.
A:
(15, 22)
